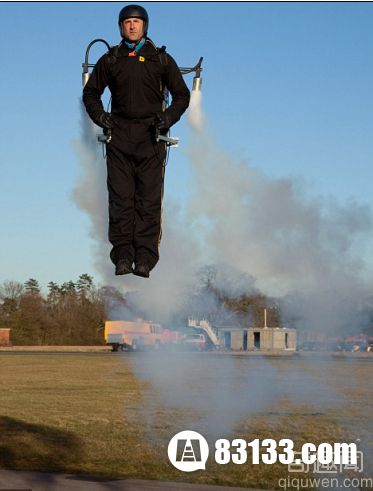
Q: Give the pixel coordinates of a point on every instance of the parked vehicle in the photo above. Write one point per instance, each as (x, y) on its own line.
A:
(354, 345)
(195, 342)
(370, 345)
(137, 335)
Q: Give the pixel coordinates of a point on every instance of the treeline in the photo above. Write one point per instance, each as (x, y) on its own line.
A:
(70, 314)
(74, 313)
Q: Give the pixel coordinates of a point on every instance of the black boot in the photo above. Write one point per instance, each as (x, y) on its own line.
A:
(141, 269)
(124, 266)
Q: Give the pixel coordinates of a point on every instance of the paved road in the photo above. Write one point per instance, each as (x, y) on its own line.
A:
(37, 481)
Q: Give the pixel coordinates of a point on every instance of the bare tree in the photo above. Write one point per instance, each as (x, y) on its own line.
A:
(12, 290)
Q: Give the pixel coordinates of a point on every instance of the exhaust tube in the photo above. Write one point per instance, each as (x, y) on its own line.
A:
(85, 78)
(197, 83)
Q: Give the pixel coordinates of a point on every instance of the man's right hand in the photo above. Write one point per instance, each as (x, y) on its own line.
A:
(162, 122)
(106, 121)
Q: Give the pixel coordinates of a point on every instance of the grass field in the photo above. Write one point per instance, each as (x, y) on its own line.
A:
(113, 415)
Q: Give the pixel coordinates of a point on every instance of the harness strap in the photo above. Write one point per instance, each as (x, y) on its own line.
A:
(162, 55)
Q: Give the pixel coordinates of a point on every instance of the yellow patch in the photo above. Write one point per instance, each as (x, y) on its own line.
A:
(141, 58)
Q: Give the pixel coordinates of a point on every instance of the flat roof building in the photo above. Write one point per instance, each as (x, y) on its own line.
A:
(258, 338)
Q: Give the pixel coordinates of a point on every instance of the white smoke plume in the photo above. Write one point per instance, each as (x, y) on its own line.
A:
(268, 228)
(216, 393)
(262, 233)
(89, 193)
(310, 251)
(195, 115)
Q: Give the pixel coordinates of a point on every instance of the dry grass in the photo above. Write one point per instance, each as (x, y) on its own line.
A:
(85, 414)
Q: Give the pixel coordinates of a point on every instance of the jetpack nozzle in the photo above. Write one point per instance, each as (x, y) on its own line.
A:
(197, 83)
(85, 76)
(197, 80)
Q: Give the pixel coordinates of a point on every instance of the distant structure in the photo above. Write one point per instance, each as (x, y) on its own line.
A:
(4, 337)
(258, 338)
(251, 338)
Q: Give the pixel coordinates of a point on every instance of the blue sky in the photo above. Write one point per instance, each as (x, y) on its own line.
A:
(288, 86)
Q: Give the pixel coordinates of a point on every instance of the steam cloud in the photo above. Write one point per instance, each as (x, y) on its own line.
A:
(309, 251)
(89, 193)
(263, 233)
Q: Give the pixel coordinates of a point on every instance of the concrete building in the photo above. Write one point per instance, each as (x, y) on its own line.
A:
(247, 339)
(258, 338)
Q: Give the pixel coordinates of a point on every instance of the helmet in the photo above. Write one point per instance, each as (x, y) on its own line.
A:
(134, 11)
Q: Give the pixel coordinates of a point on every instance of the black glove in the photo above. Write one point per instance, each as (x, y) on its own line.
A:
(162, 122)
(106, 121)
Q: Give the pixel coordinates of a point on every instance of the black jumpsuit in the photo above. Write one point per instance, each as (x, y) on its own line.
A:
(135, 162)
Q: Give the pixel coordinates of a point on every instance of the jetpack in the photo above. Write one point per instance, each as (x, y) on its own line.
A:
(197, 84)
